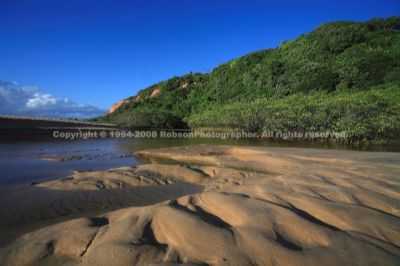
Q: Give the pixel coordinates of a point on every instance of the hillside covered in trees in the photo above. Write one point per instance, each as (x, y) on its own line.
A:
(342, 77)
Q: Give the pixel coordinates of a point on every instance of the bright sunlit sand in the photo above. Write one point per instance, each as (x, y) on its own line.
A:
(264, 206)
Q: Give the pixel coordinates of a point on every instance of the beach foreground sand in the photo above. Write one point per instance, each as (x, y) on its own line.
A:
(260, 206)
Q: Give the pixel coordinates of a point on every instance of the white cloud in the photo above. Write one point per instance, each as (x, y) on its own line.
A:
(41, 100)
(32, 101)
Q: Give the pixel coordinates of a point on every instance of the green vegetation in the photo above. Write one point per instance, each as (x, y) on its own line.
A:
(343, 76)
(372, 114)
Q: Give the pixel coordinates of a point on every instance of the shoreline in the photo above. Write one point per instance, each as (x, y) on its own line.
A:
(255, 198)
(28, 207)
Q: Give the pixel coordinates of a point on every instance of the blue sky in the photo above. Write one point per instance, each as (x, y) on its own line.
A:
(98, 52)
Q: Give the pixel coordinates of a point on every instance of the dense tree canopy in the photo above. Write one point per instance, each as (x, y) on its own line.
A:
(326, 79)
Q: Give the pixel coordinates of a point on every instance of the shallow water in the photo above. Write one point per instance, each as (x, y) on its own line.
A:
(24, 162)
(25, 208)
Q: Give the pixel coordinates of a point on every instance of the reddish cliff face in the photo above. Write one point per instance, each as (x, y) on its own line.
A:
(154, 93)
(115, 106)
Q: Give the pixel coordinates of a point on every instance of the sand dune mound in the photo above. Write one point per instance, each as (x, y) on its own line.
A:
(129, 177)
(118, 178)
(260, 207)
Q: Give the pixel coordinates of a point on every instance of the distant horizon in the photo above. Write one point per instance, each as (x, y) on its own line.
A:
(94, 58)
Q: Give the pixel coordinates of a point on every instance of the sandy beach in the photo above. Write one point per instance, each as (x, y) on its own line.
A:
(213, 205)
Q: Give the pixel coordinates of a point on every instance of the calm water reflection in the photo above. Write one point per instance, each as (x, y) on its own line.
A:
(24, 162)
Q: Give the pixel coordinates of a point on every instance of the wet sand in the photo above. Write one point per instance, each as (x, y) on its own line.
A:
(26, 208)
(258, 206)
